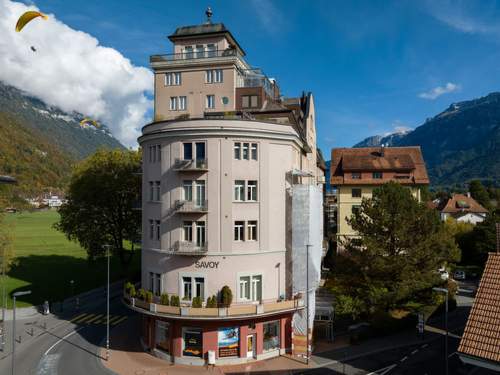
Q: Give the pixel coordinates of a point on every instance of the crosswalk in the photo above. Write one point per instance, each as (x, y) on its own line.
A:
(89, 318)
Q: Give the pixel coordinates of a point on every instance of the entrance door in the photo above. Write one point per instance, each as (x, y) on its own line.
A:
(250, 346)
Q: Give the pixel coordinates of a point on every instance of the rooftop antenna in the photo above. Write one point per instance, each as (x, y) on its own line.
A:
(209, 13)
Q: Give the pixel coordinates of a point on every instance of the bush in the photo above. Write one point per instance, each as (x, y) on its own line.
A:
(197, 302)
(226, 296)
(175, 301)
(128, 285)
(141, 294)
(149, 296)
(212, 302)
(131, 292)
(164, 299)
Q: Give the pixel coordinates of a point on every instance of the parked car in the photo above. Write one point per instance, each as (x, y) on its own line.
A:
(459, 275)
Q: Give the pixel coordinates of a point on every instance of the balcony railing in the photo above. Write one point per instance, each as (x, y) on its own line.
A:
(191, 206)
(191, 165)
(190, 248)
(234, 311)
(194, 55)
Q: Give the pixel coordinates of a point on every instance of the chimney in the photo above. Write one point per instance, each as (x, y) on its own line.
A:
(468, 194)
(382, 150)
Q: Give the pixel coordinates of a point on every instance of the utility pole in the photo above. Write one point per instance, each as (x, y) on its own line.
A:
(107, 305)
(307, 303)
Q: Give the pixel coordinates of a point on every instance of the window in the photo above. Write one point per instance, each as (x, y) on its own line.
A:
(209, 76)
(245, 101)
(200, 193)
(151, 190)
(199, 51)
(154, 153)
(239, 190)
(182, 103)
(245, 151)
(200, 150)
(252, 191)
(218, 76)
(187, 186)
(173, 103)
(271, 336)
(377, 175)
(256, 288)
(188, 51)
(254, 151)
(162, 336)
(173, 79)
(252, 231)
(210, 101)
(254, 101)
(155, 283)
(192, 342)
(249, 101)
(199, 286)
(356, 193)
(188, 231)
(250, 287)
(158, 152)
(239, 232)
(157, 189)
(355, 209)
(154, 190)
(245, 287)
(187, 289)
(188, 151)
(151, 229)
(237, 150)
(211, 50)
(356, 175)
(200, 233)
(158, 232)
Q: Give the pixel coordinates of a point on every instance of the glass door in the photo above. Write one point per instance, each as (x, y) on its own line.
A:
(250, 346)
(200, 233)
(200, 194)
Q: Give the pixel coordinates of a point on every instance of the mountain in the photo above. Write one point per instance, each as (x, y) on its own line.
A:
(62, 128)
(39, 144)
(378, 140)
(459, 144)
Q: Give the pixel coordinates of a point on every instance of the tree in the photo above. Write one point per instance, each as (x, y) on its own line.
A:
(101, 195)
(395, 260)
(479, 193)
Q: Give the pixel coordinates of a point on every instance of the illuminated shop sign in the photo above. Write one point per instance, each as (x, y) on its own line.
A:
(229, 342)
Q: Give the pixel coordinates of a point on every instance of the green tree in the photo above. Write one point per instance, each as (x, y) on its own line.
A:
(394, 261)
(101, 195)
(479, 193)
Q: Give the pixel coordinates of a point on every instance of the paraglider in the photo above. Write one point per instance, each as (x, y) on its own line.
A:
(87, 120)
(33, 49)
(27, 17)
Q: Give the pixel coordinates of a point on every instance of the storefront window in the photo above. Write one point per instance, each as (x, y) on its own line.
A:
(229, 342)
(271, 336)
(162, 336)
(192, 342)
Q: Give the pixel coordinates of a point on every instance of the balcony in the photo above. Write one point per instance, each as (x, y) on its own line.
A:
(183, 206)
(194, 56)
(235, 311)
(191, 165)
(190, 248)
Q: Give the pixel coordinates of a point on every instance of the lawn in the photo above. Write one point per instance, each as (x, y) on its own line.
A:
(46, 261)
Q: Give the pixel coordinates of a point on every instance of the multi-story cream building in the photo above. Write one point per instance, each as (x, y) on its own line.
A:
(231, 197)
(356, 172)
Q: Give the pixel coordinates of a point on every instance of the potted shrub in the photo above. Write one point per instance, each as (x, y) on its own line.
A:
(149, 296)
(212, 302)
(164, 299)
(128, 285)
(141, 294)
(226, 296)
(175, 301)
(197, 302)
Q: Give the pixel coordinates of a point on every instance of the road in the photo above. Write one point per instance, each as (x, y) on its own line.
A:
(68, 345)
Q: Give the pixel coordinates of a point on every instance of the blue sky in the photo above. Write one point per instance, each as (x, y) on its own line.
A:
(373, 66)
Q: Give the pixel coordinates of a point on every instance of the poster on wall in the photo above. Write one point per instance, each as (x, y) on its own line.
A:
(229, 342)
(193, 345)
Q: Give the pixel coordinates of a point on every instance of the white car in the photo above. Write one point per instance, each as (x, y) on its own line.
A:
(459, 275)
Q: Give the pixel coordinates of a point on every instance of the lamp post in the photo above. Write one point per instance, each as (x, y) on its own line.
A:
(15, 295)
(445, 291)
(107, 305)
(307, 303)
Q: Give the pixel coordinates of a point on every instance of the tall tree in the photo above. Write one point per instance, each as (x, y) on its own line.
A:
(101, 196)
(479, 193)
(401, 245)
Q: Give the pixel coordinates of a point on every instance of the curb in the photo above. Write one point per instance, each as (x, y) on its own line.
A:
(99, 359)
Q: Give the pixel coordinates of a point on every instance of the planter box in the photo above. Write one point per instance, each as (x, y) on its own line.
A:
(172, 310)
(202, 311)
(141, 304)
(242, 310)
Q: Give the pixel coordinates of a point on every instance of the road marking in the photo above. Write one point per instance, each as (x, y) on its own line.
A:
(78, 317)
(94, 318)
(48, 365)
(383, 371)
(452, 354)
(414, 352)
(404, 358)
(89, 316)
(424, 346)
(120, 320)
(114, 319)
(62, 339)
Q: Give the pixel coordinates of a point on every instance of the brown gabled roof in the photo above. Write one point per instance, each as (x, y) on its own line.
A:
(459, 203)
(381, 159)
(481, 338)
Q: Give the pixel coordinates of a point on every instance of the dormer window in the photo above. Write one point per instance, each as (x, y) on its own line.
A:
(356, 175)
(200, 51)
(211, 50)
(188, 51)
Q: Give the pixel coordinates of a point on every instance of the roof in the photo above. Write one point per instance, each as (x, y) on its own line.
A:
(459, 203)
(481, 338)
(206, 29)
(406, 160)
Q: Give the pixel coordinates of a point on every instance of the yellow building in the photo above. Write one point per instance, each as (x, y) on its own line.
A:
(355, 172)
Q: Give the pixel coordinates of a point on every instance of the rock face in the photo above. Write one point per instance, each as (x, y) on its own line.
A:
(459, 144)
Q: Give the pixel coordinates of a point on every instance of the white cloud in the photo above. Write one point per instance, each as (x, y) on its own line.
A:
(439, 90)
(72, 71)
(269, 16)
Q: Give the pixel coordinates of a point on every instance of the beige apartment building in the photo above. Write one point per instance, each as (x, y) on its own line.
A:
(356, 172)
(232, 196)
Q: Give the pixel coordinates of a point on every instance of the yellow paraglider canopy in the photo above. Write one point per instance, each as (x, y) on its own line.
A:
(27, 17)
(87, 120)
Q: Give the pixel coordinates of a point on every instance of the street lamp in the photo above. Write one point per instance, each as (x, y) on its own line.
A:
(445, 291)
(15, 295)
(307, 302)
(107, 305)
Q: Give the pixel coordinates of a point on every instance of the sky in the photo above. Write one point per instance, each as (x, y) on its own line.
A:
(374, 67)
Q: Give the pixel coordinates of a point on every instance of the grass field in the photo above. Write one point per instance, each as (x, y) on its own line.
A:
(46, 261)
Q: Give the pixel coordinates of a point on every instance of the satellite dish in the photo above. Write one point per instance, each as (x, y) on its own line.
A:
(225, 100)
